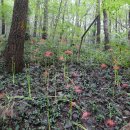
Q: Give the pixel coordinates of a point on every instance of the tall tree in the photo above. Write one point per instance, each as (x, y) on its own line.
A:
(3, 17)
(106, 32)
(57, 19)
(129, 26)
(77, 3)
(98, 22)
(15, 47)
(36, 18)
(116, 23)
(45, 22)
(63, 19)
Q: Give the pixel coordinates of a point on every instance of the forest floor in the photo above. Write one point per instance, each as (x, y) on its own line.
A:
(71, 97)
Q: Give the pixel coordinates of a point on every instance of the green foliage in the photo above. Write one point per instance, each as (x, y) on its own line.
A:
(7, 10)
(120, 52)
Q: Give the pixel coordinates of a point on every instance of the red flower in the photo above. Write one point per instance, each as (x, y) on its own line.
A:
(116, 67)
(2, 95)
(48, 54)
(103, 78)
(125, 85)
(86, 115)
(73, 104)
(77, 89)
(103, 66)
(68, 52)
(61, 58)
(110, 123)
(74, 75)
(67, 86)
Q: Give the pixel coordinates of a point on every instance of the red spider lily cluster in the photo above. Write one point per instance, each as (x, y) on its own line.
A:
(103, 66)
(77, 89)
(61, 58)
(110, 123)
(116, 67)
(74, 75)
(67, 86)
(2, 95)
(48, 54)
(86, 115)
(68, 52)
(125, 85)
(73, 104)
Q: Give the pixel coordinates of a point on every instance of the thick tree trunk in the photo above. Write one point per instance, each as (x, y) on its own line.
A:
(3, 18)
(28, 22)
(129, 27)
(98, 22)
(45, 22)
(106, 32)
(15, 48)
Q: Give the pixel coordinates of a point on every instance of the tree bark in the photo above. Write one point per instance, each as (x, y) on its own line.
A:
(15, 48)
(106, 32)
(94, 35)
(98, 22)
(63, 20)
(3, 18)
(77, 22)
(116, 23)
(129, 26)
(45, 22)
(57, 19)
(36, 19)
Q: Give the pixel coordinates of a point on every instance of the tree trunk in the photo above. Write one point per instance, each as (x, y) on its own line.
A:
(81, 42)
(106, 33)
(45, 22)
(77, 22)
(3, 18)
(36, 19)
(98, 22)
(110, 26)
(15, 47)
(94, 33)
(63, 20)
(116, 23)
(129, 27)
(57, 19)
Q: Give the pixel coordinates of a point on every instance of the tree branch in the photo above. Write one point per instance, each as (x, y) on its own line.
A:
(84, 35)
